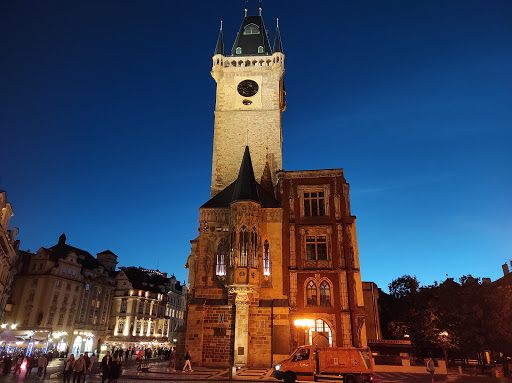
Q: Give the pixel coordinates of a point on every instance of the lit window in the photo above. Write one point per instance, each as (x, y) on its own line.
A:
(316, 248)
(63, 270)
(251, 29)
(74, 272)
(238, 51)
(266, 259)
(87, 287)
(243, 242)
(260, 49)
(58, 283)
(221, 259)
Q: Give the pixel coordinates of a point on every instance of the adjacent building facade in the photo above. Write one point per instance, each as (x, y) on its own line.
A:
(9, 251)
(276, 262)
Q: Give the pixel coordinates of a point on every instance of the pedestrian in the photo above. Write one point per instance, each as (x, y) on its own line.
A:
(68, 368)
(78, 369)
(138, 360)
(188, 361)
(431, 368)
(31, 361)
(172, 362)
(93, 359)
(7, 365)
(105, 365)
(42, 362)
(19, 361)
(87, 364)
(115, 370)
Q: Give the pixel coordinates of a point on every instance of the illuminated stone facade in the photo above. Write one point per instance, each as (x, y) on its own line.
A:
(147, 307)
(62, 290)
(273, 246)
(8, 253)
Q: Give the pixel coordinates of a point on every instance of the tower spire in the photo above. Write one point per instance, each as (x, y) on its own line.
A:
(219, 48)
(278, 46)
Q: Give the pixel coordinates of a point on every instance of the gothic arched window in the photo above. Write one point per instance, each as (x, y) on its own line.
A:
(266, 258)
(254, 247)
(221, 259)
(243, 243)
(311, 294)
(325, 294)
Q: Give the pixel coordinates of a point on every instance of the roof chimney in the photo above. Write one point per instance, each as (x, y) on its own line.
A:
(505, 269)
(62, 239)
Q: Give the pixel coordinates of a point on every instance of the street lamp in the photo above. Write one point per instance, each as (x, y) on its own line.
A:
(305, 324)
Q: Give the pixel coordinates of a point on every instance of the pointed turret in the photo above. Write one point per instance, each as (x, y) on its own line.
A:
(252, 39)
(266, 179)
(278, 46)
(219, 49)
(245, 186)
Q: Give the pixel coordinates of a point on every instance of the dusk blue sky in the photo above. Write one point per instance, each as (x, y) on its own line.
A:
(106, 118)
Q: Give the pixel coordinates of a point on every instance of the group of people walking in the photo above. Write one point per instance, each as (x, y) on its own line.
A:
(15, 362)
(79, 368)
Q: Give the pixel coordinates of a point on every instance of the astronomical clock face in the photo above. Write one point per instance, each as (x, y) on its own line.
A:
(247, 88)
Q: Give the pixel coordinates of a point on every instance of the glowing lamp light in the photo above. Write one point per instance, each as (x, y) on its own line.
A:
(444, 333)
(14, 325)
(24, 365)
(4, 325)
(304, 323)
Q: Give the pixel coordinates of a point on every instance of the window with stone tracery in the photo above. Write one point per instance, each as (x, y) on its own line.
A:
(325, 294)
(244, 244)
(266, 258)
(232, 248)
(311, 294)
(221, 259)
(254, 247)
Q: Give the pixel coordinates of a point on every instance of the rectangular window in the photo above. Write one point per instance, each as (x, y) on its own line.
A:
(61, 319)
(34, 282)
(50, 318)
(58, 283)
(314, 204)
(74, 272)
(316, 248)
(63, 270)
(55, 297)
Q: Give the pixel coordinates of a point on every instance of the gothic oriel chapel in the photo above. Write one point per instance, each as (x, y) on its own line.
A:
(274, 246)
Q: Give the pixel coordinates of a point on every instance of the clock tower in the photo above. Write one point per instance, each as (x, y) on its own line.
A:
(249, 102)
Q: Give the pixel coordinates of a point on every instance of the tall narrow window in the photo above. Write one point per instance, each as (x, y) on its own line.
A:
(254, 247)
(221, 259)
(232, 248)
(311, 294)
(266, 259)
(325, 294)
(243, 239)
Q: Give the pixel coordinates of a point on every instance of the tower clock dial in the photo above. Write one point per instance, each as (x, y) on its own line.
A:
(247, 88)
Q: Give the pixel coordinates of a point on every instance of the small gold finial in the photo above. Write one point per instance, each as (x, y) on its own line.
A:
(277, 22)
(221, 25)
(245, 11)
(260, 11)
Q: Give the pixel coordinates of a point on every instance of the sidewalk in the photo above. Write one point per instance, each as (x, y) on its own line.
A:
(158, 371)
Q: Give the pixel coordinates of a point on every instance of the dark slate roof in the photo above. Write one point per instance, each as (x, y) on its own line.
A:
(250, 42)
(245, 188)
(107, 252)
(143, 281)
(61, 250)
(278, 46)
(219, 48)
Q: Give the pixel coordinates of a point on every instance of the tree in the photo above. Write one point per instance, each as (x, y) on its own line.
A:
(403, 286)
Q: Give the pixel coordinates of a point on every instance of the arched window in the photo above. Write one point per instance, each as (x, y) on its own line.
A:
(311, 294)
(320, 333)
(260, 49)
(254, 248)
(238, 51)
(325, 294)
(251, 29)
(221, 259)
(243, 243)
(266, 258)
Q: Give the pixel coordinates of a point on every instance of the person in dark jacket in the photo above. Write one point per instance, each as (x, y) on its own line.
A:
(115, 370)
(105, 365)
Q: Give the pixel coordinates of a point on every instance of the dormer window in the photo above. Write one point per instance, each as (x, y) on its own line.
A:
(260, 49)
(251, 29)
(238, 50)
